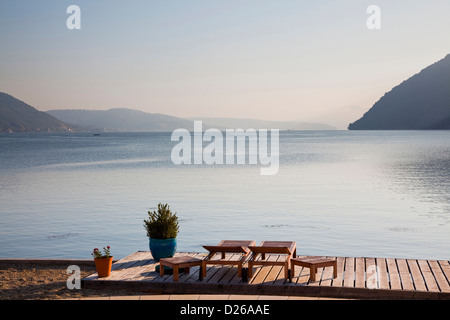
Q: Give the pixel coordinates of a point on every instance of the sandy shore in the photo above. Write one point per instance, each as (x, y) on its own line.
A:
(43, 282)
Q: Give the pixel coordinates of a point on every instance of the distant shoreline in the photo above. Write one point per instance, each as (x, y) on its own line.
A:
(49, 261)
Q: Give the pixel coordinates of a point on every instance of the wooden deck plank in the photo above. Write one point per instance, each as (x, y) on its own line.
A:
(372, 274)
(419, 283)
(430, 282)
(327, 275)
(276, 275)
(383, 275)
(445, 266)
(338, 282)
(138, 268)
(224, 269)
(394, 276)
(147, 271)
(232, 275)
(295, 277)
(119, 269)
(360, 269)
(439, 276)
(300, 276)
(418, 279)
(120, 264)
(212, 269)
(263, 271)
(349, 272)
(405, 276)
(232, 278)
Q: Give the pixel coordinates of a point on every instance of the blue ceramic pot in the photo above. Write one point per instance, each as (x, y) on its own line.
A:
(162, 248)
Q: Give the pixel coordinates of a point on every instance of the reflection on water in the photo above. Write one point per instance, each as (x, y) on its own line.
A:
(423, 174)
(337, 193)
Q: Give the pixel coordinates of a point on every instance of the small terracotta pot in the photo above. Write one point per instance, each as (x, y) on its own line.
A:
(103, 266)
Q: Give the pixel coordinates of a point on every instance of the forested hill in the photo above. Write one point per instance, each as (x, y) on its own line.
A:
(420, 103)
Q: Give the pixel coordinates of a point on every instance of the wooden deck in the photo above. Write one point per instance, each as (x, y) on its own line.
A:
(357, 278)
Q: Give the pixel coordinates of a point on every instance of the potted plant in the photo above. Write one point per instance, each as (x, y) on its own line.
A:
(162, 229)
(103, 261)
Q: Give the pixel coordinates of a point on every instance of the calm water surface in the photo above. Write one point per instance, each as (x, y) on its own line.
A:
(339, 193)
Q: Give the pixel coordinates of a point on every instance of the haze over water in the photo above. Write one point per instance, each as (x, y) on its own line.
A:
(337, 193)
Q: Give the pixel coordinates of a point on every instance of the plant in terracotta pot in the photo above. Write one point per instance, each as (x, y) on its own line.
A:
(103, 261)
(162, 229)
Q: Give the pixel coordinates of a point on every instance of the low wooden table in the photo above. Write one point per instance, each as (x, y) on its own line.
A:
(313, 262)
(286, 248)
(176, 263)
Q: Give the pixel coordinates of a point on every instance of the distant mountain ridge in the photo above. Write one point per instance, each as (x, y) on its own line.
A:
(237, 123)
(420, 103)
(130, 120)
(122, 120)
(17, 116)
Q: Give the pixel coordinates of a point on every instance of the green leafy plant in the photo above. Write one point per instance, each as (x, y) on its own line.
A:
(162, 224)
(98, 254)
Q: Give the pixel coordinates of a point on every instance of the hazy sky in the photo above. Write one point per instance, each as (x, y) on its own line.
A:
(271, 60)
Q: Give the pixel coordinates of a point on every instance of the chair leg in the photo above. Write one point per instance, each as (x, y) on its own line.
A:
(312, 273)
(175, 273)
(203, 269)
(200, 272)
(245, 274)
(286, 270)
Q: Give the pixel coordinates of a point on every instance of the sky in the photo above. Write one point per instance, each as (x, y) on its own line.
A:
(293, 60)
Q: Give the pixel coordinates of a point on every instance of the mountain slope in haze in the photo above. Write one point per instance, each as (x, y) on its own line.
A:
(235, 123)
(129, 120)
(17, 116)
(420, 103)
(122, 120)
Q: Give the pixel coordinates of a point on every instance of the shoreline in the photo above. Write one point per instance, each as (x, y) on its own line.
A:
(46, 279)
(50, 261)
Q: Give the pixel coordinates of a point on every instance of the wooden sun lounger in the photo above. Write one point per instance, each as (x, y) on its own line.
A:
(288, 248)
(228, 246)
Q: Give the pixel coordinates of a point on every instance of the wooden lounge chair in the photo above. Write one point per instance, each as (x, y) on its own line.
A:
(287, 248)
(228, 246)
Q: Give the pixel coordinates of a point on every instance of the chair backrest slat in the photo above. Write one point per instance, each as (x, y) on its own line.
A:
(225, 249)
(267, 249)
